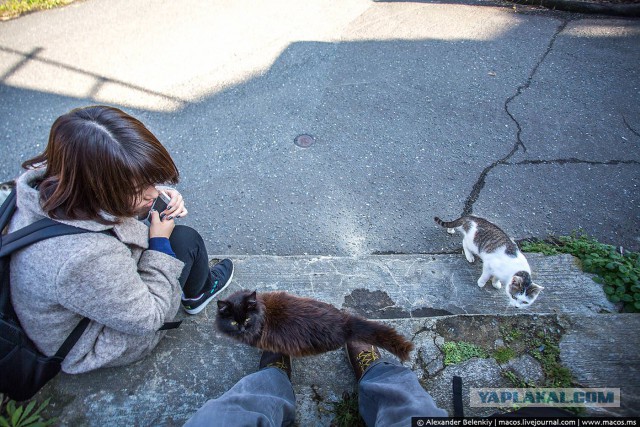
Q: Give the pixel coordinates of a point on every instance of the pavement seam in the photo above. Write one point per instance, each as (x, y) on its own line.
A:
(573, 160)
(635, 132)
(479, 185)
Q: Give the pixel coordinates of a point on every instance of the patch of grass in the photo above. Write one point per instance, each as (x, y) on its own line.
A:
(520, 383)
(458, 352)
(544, 348)
(503, 354)
(14, 8)
(512, 335)
(516, 380)
(345, 412)
(543, 247)
(14, 415)
(616, 270)
(543, 345)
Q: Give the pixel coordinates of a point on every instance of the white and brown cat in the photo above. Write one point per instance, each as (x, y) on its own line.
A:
(502, 261)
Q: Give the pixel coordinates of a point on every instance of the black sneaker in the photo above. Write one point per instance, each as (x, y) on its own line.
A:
(222, 273)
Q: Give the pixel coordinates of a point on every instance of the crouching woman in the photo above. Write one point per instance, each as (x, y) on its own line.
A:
(100, 172)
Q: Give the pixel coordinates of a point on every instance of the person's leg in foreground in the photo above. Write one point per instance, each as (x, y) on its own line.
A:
(264, 398)
(389, 394)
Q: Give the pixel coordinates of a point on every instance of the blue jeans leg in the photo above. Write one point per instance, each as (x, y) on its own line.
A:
(389, 394)
(264, 398)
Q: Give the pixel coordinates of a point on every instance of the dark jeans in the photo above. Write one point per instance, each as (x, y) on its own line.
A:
(389, 395)
(189, 247)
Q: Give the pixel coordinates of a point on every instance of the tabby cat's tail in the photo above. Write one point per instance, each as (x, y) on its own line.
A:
(380, 335)
(453, 224)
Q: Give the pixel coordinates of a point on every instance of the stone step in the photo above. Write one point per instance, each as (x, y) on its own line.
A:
(195, 362)
(399, 286)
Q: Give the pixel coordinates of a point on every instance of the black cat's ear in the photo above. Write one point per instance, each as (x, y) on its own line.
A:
(223, 307)
(252, 300)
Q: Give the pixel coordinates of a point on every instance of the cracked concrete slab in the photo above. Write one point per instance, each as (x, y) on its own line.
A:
(417, 285)
(543, 199)
(602, 351)
(195, 362)
(527, 369)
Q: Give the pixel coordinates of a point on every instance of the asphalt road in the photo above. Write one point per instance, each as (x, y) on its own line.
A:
(530, 118)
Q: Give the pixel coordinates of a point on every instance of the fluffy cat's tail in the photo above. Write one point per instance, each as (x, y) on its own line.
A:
(380, 335)
(453, 224)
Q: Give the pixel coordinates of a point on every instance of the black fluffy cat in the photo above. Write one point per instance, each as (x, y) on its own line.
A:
(284, 323)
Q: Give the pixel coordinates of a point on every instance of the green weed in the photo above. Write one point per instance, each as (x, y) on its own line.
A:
(14, 8)
(511, 335)
(458, 352)
(345, 412)
(545, 350)
(617, 271)
(14, 415)
(503, 354)
(516, 380)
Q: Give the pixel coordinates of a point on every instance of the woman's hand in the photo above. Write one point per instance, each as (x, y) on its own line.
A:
(160, 227)
(175, 208)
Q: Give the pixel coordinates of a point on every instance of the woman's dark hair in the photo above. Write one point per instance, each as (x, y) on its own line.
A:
(99, 159)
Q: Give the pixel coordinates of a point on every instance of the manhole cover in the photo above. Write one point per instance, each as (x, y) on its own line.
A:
(304, 141)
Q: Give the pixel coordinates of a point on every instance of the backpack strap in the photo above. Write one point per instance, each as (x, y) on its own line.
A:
(7, 208)
(32, 233)
(458, 410)
(39, 230)
(73, 337)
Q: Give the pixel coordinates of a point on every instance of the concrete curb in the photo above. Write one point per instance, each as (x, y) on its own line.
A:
(196, 362)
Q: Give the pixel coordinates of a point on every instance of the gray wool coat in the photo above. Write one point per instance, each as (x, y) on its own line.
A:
(127, 291)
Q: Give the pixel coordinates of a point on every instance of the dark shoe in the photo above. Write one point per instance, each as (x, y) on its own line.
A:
(361, 356)
(221, 273)
(276, 360)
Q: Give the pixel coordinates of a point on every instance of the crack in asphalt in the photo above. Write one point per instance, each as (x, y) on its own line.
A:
(635, 132)
(479, 185)
(572, 160)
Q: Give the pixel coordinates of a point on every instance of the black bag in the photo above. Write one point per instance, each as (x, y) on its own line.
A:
(23, 369)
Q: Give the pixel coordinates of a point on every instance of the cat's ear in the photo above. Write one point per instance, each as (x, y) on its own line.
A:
(516, 285)
(223, 306)
(534, 290)
(252, 300)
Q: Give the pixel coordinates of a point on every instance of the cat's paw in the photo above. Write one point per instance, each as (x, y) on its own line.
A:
(451, 230)
(481, 283)
(496, 284)
(468, 255)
